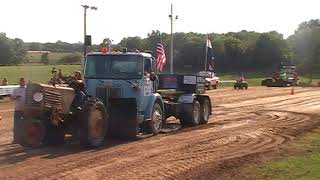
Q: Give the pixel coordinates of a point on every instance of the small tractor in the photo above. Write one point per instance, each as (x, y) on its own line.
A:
(124, 97)
(287, 76)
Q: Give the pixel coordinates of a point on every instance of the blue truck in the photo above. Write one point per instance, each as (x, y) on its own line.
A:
(125, 96)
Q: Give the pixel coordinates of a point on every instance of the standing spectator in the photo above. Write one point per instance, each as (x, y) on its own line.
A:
(60, 77)
(19, 97)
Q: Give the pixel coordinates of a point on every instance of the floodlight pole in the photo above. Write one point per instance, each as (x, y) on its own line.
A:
(171, 39)
(85, 7)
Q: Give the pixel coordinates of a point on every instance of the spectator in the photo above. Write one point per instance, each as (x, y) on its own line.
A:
(60, 77)
(4, 82)
(19, 97)
(77, 75)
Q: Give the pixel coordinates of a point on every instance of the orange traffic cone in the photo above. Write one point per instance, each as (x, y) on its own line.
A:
(292, 91)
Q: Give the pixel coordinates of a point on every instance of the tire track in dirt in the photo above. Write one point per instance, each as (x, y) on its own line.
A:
(259, 142)
(194, 155)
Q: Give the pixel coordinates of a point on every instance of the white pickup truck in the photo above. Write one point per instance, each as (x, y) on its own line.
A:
(212, 80)
(7, 90)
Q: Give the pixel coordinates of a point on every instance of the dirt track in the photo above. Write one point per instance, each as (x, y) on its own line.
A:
(244, 123)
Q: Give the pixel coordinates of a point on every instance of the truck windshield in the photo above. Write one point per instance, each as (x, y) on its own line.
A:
(113, 67)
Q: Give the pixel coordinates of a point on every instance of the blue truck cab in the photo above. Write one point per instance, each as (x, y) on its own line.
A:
(138, 100)
(124, 84)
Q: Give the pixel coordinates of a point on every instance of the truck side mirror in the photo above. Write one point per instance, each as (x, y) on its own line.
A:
(153, 76)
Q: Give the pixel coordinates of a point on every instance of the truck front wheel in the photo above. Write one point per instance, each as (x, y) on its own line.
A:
(154, 126)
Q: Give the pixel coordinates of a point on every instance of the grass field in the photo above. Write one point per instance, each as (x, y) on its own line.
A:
(42, 73)
(304, 165)
(54, 57)
(35, 73)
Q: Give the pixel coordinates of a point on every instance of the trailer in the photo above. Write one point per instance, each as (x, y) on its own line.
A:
(7, 90)
(184, 98)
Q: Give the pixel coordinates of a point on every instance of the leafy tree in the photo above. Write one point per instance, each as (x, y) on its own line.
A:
(71, 59)
(6, 51)
(306, 46)
(270, 52)
(12, 51)
(45, 58)
(33, 46)
(132, 43)
(19, 51)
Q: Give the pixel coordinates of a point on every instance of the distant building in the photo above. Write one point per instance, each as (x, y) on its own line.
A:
(38, 51)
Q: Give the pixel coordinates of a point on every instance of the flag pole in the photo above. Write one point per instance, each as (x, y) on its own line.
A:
(206, 56)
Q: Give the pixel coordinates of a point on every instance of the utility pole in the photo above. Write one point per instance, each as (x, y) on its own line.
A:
(206, 56)
(171, 40)
(85, 7)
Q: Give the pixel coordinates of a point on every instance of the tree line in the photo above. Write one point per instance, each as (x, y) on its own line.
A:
(233, 52)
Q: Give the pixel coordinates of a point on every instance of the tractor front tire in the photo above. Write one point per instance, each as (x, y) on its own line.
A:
(94, 124)
(31, 134)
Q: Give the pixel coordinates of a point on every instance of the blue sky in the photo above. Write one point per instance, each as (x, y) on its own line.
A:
(49, 21)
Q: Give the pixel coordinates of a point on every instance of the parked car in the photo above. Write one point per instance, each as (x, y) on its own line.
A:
(212, 80)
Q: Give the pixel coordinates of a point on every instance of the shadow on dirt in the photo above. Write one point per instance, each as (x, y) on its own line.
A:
(13, 153)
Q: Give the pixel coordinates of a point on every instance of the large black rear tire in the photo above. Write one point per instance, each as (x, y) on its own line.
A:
(94, 125)
(205, 109)
(191, 114)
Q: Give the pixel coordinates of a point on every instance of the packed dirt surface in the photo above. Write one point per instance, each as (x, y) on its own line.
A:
(244, 123)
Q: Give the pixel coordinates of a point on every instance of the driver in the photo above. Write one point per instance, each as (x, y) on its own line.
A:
(147, 70)
(79, 97)
(241, 78)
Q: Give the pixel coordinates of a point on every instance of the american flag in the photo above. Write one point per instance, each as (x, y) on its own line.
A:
(161, 57)
(210, 56)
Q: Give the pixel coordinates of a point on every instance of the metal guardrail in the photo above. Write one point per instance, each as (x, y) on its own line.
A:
(7, 90)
